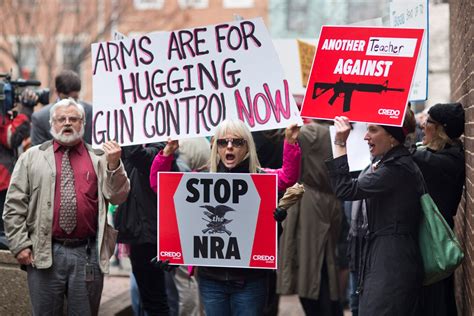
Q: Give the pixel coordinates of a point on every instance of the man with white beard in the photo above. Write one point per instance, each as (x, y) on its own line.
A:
(55, 214)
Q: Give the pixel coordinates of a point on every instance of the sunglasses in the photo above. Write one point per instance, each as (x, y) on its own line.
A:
(236, 142)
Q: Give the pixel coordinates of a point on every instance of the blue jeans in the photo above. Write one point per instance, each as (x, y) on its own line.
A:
(232, 298)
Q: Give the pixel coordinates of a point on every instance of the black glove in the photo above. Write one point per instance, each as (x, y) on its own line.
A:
(163, 265)
(280, 214)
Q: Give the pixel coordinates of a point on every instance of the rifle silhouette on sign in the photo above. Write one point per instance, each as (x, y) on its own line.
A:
(216, 222)
(347, 88)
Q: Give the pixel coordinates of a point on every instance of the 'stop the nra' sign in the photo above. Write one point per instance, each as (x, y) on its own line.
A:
(364, 73)
(217, 219)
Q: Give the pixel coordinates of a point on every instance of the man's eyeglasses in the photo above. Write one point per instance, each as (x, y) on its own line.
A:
(236, 142)
(71, 119)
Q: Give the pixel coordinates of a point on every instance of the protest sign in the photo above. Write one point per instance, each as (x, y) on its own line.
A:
(414, 13)
(363, 73)
(306, 53)
(182, 84)
(217, 219)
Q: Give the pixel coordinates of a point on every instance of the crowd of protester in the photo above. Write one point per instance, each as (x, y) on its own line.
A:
(66, 258)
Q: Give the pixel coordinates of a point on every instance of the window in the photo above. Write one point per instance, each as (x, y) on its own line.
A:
(25, 3)
(297, 18)
(193, 4)
(231, 4)
(148, 4)
(71, 52)
(71, 5)
(28, 59)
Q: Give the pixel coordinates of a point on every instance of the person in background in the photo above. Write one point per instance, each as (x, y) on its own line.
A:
(14, 129)
(192, 155)
(269, 146)
(56, 215)
(391, 269)
(136, 222)
(307, 256)
(235, 291)
(68, 85)
(441, 160)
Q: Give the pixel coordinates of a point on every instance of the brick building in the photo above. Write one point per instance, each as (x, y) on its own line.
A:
(44, 36)
(462, 79)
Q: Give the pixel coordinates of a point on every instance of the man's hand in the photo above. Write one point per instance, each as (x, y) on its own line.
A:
(28, 100)
(291, 133)
(112, 154)
(170, 148)
(25, 257)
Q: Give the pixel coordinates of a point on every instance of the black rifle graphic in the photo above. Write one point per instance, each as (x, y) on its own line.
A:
(217, 222)
(217, 227)
(347, 88)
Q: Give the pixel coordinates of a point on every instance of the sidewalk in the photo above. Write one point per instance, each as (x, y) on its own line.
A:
(116, 293)
(116, 296)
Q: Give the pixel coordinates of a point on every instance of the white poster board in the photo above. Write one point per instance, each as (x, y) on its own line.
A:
(358, 154)
(414, 13)
(182, 84)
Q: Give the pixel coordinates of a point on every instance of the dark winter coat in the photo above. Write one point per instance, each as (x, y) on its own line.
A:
(136, 218)
(444, 174)
(391, 273)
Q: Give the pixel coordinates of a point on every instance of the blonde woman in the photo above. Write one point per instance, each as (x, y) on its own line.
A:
(235, 291)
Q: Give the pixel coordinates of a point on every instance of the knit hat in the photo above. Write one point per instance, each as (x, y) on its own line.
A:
(397, 132)
(450, 116)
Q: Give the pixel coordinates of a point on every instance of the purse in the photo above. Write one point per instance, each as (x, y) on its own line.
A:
(440, 248)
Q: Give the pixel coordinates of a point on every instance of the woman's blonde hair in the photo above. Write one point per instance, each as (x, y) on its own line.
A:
(440, 139)
(238, 128)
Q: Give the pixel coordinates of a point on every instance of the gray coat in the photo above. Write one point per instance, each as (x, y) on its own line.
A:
(28, 213)
(311, 229)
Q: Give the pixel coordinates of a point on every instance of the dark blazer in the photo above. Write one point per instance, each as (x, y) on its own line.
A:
(40, 126)
(391, 273)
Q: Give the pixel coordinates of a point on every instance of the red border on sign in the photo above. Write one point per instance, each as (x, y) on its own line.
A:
(341, 84)
(266, 188)
(168, 234)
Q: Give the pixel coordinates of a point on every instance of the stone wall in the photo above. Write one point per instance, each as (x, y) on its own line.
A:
(14, 297)
(462, 75)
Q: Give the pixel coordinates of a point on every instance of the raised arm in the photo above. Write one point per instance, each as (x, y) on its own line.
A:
(289, 172)
(162, 162)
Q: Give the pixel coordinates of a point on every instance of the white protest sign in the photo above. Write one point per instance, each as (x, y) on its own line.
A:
(217, 219)
(414, 13)
(182, 84)
(358, 154)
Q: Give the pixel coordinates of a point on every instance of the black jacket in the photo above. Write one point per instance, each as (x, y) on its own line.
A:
(391, 273)
(136, 218)
(444, 174)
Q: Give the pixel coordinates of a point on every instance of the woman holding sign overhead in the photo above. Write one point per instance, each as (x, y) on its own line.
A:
(235, 291)
(391, 268)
